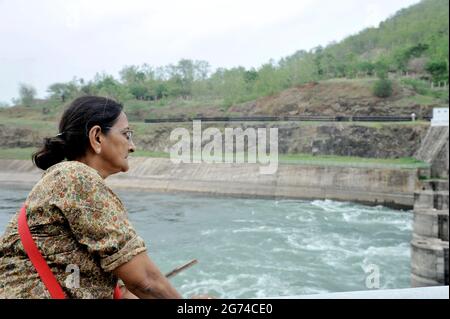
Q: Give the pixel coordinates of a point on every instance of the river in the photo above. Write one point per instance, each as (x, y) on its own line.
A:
(254, 248)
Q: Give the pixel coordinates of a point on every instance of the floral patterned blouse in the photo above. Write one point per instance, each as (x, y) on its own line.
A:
(78, 223)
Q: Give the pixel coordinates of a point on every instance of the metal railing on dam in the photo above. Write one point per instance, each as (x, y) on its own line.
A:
(305, 118)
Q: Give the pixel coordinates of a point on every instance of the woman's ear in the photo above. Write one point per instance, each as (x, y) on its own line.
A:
(95, 139)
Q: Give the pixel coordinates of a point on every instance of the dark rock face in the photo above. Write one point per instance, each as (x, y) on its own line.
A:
(19, 137)
(328, 139)
(352, 141)
(367, 142)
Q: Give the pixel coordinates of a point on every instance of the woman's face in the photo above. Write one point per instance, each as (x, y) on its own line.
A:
(117, 146)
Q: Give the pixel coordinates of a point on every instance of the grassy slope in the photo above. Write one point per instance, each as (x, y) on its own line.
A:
(295, 159)
(138, 110)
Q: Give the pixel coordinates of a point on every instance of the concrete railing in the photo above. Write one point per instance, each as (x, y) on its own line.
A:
(409, 293)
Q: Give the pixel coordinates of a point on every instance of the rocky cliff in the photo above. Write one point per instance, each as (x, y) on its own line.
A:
(377, 141)
(343, 139)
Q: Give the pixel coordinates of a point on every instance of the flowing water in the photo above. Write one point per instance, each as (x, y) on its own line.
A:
(250, 248)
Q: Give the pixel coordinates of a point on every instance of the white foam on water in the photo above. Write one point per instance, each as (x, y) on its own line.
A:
(325, 205)
(208, 232)
(231, 286)
(351, 216)
(294, 242)
(261, 229)
(406, 227)
(244, 221)
(399, 250)
(286, 251)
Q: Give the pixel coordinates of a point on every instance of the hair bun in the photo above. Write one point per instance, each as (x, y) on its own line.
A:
(52, 153)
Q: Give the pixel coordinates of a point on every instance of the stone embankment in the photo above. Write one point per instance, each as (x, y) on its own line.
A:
(434, 150)
(429, 247)
(429, 256)
(376, 186)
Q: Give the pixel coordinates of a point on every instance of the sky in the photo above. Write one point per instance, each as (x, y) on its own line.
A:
(48, 41)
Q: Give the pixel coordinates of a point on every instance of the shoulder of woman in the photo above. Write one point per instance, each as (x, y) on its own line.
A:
(73, 169)
(70, 178)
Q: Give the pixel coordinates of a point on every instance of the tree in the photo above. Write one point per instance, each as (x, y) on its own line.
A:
(229, 85)
(318, 57)
(269, 80)
(417, 65)
(106, 85)
(403, 56)
(161, 91)
(365, 68)
(250, 78)
(382, 68)
(438, 70)
(202, 70)
(27, 94)
(132, 74)
(383, 88)
(63, 91)
(139, 91)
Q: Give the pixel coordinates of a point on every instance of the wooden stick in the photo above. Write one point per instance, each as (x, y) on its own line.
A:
(181, 268)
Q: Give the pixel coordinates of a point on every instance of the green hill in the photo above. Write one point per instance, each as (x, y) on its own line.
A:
(420, 31)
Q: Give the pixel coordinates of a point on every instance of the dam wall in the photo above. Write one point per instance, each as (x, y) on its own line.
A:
(429, 246)
(391, 187)
(379, 186)
(434, 150)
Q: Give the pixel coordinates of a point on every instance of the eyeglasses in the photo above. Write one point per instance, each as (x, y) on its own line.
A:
(127, 132)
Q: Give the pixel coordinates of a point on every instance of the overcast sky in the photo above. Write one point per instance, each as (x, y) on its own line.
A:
(48, 41)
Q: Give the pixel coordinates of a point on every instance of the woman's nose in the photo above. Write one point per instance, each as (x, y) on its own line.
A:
(132, 147)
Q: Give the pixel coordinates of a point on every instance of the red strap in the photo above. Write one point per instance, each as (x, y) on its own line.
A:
(44, 271)
(117, 293)
(36, 258)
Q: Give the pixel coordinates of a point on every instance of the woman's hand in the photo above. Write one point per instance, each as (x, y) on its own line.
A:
(144, 280)
(126, 294)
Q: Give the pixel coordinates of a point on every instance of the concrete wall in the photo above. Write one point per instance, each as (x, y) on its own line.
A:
(434, 150)
(381, 186)
(429, 247)
(19, 172)
(391, 187)
(440, 166)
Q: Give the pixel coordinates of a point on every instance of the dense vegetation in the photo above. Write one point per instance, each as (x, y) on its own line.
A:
(414, 42)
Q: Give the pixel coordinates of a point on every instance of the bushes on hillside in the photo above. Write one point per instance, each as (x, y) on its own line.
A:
(383, 88)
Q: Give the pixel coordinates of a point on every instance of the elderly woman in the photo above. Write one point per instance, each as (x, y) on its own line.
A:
(77, 222)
